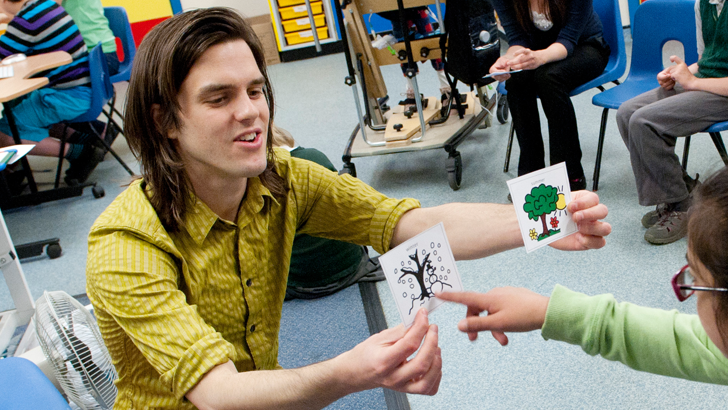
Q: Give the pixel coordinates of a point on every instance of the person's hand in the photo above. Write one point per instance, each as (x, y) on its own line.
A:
(508, 310)
(500, 65)
(526, 59)
(5, 18)
(381, 360)
(681, 74)
(664, 78)
(588, 213)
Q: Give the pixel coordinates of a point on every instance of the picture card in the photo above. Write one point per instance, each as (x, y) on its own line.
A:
(418, 268)
(540, 199)
(501, 73)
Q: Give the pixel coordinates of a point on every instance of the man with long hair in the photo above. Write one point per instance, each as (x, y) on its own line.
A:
(187, 268)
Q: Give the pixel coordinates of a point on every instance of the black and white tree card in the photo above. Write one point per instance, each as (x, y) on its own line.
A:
(540, 199)
(418, 268)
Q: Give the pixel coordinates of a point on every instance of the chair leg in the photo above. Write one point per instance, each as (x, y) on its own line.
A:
(109, 149)
(61, 153)
(686, 152)
(508, 149)
(718, 141)
(600, 147)
(119, 160)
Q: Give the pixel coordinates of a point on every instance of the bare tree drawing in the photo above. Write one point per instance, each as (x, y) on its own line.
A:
(425, 275)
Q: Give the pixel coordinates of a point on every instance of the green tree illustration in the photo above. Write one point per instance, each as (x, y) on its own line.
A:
(541, 202)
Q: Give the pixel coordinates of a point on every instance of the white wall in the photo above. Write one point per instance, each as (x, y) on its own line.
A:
(249, 8)
(623, 8)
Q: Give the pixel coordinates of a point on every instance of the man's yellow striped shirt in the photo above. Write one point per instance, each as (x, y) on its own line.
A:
(173, 305)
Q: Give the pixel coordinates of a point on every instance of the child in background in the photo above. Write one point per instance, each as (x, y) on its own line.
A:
(38, 27)
(320, 266)
(668, 343)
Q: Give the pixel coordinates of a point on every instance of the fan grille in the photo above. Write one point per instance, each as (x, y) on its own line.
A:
(70, 339)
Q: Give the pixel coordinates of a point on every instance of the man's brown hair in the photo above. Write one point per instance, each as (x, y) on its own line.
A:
(162, 63)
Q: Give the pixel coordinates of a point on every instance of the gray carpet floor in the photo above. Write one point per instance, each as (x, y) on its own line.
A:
(315, 105)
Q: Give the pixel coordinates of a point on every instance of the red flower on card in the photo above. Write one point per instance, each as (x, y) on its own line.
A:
(554, 222)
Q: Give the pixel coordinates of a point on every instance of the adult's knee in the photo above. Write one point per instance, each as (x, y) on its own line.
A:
(550, 81)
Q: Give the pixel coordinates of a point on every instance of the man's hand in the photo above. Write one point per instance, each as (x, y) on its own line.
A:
(508, 310)
(500, 65)
(381, 360)
(588, 213)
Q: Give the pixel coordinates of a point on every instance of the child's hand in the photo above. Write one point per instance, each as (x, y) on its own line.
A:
(665, 79)
(509, 310)
(681, 74)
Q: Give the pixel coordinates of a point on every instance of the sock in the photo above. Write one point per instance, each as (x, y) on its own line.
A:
(73, 151)
(444, 85)
(681, 206)
(78, 138)
(409, 90)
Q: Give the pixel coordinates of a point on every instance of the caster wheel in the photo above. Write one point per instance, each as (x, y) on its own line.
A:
(502, 110)
(53, 251)
(98, 192)
(348, 168)
(454, 169)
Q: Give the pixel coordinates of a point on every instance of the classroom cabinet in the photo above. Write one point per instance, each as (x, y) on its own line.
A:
(292, 25)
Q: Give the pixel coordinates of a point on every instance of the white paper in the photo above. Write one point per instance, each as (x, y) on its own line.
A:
(540, 199)
(501, 73)
(418, 268)
(21, 151)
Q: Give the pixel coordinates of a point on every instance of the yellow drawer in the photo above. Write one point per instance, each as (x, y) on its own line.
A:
(295, 12)
(303, 23)
(306, 36)
(286, 3)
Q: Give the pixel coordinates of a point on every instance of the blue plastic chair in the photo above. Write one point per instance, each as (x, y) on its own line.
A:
(608, 12)
(655, 23)
(23, 386)
(714, 132)
(101, 92)
(119, 24)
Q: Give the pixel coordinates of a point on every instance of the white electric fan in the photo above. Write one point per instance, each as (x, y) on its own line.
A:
(70, 339)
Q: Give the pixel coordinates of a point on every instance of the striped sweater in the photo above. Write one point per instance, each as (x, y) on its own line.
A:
(42, 26)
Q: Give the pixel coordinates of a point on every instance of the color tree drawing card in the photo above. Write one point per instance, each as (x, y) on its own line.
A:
(418, 268)
(540, 199)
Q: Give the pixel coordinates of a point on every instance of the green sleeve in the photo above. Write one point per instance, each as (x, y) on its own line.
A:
(651, 340)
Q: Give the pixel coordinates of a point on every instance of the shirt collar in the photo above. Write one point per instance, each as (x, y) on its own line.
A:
(200, 218)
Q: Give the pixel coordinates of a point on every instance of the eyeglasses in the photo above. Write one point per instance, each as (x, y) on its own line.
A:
(682, 284)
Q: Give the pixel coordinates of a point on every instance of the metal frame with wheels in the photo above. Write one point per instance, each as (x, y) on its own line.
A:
(368, 138)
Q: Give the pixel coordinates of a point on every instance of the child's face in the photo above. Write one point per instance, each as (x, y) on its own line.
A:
(11, 8)
(706, 302)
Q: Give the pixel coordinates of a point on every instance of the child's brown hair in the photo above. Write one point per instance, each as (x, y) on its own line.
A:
(708, 238)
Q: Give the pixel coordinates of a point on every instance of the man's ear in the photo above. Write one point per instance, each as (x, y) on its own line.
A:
(156, 114)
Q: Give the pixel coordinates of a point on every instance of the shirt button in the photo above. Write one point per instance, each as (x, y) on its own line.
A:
(249, 282)
(252, 328)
